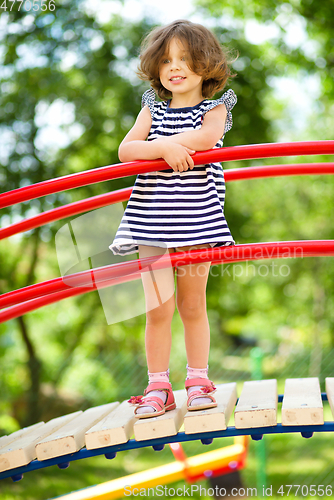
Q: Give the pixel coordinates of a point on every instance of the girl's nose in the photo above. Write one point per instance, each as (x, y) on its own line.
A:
(175, 64)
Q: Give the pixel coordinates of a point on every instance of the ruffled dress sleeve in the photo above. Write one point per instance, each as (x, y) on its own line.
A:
(148, 99)
(229, 99)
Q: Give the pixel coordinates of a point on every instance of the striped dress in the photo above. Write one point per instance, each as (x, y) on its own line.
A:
(173, 209)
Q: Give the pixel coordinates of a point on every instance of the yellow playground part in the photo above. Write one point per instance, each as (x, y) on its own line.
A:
(191, 469)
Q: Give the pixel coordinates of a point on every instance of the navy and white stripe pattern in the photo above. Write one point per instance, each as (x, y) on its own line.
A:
(174, 209)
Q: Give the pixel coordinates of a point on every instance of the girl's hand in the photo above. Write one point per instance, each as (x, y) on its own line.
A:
(177, 156)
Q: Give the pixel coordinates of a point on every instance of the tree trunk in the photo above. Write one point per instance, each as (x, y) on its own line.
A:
(34, 365)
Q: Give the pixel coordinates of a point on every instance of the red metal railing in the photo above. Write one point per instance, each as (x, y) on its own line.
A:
(251, 152)
(103, 200)
(21, 301)
(42, 294)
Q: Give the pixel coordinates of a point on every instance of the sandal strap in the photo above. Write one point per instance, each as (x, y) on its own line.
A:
(153, 401)
(199, 394)
(203, 382)
(158, 386)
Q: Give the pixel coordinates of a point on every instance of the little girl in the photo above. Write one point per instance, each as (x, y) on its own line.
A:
(180, 208)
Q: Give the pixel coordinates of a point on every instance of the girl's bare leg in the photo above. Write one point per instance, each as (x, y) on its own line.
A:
(160, 305)
(191, 303)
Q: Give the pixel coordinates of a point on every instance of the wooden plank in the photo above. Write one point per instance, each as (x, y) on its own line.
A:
(302, 404)
(165, 425)
(71, 437)
(22, 451)
(330, 392)
(5, 440)
(257, 405)
(114, 428)
(214, 419)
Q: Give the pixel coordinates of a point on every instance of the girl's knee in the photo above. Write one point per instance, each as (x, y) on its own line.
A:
(162, 313)
(191, 306)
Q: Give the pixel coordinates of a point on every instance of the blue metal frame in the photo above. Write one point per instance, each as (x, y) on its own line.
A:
(159, 443)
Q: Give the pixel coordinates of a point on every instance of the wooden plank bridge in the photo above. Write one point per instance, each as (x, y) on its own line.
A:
(112, 427)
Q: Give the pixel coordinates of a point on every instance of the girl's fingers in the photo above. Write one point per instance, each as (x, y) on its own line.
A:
(183, 165)
(188, 163)
(179, 158)
(190, 151)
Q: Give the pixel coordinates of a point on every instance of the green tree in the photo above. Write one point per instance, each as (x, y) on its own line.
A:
(299, 44)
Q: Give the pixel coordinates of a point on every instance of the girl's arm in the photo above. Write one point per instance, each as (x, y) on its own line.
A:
(135, 147)
(208, 135)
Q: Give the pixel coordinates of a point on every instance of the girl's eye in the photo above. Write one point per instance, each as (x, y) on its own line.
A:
(165, 61)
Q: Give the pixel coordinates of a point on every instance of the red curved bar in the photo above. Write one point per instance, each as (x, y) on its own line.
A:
(41, 294)
(132, 168)
(65, 211)
(238, 174)
(45, 300)
(103, 200)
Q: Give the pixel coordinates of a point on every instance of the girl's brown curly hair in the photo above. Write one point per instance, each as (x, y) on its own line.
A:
(207, 57)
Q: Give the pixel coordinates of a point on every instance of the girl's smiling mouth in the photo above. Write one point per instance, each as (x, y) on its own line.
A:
(177, 78)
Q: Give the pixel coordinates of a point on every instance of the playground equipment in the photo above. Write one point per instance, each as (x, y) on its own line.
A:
(106, 430)
(109, 428)
(206, 465)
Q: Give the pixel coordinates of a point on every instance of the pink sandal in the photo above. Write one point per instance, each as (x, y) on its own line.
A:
(153, 401)
(206, 391)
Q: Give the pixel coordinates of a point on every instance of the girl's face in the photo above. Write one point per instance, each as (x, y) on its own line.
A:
(175, 74)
